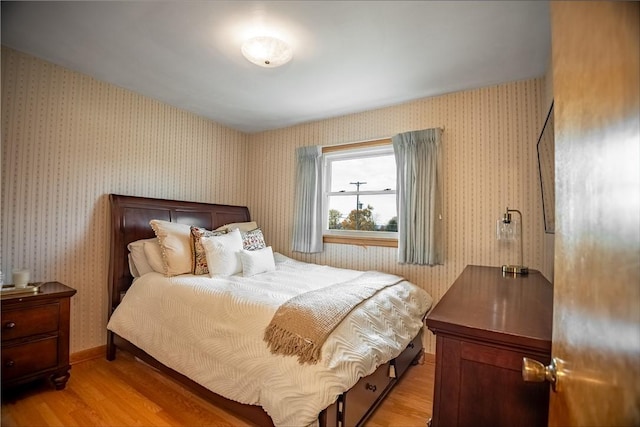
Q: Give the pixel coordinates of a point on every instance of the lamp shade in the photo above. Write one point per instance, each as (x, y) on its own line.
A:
(267, 52)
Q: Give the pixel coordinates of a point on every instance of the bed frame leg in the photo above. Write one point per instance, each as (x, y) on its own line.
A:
(419, 359)
(111, 347)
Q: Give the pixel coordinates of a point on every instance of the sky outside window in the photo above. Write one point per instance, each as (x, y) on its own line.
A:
(378, 172)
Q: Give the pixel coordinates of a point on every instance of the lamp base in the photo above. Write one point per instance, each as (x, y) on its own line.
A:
(515, 269)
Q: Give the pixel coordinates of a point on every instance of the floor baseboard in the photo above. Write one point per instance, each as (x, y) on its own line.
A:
(88, 354)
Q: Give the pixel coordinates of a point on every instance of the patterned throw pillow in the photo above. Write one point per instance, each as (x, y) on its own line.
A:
(199, 253)
(253, 240)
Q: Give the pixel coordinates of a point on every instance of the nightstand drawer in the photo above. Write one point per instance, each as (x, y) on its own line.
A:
(29, 321)
(30, 357)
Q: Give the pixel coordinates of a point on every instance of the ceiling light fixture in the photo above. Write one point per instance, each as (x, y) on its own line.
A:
(267, 51)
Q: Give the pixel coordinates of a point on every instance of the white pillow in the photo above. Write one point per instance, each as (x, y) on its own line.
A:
(257, 261)
(154, 255)
(199, 254)
(175, 242)
(242, 226)
(223, 253)
(138, 259)
(132, 267)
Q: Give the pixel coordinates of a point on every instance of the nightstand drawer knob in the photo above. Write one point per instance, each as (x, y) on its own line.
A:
(9, 363)
(371, 387)
(10, 325)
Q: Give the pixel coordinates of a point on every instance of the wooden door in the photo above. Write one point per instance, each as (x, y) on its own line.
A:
(596, 331)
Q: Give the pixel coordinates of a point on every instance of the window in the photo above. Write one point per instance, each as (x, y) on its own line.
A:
(360, 191)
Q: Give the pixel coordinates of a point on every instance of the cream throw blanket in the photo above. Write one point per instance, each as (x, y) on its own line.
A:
(301, 325)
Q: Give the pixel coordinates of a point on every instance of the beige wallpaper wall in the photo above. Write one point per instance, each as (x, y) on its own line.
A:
(69, 140)
(490, 162)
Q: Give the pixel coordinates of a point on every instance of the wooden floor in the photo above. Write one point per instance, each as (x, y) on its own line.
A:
(126, 392)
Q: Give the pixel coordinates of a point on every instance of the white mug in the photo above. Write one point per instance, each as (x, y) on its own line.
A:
(21, 278)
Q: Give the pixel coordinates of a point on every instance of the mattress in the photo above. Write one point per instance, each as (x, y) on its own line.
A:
(211, 330)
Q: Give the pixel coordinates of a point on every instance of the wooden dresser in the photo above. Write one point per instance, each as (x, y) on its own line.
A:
(35, 336)
(484, 325)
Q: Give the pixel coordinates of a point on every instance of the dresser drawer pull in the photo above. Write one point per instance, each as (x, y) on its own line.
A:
(9, 363)
(10, 325)
(371, 387)
(411, 345)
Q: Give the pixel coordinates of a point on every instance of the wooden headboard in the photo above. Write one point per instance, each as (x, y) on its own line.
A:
(130, 218)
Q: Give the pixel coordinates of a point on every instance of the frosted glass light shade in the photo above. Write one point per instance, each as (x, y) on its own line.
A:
(267, 52)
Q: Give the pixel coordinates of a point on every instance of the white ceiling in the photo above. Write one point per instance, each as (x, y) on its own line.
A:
(349, 56)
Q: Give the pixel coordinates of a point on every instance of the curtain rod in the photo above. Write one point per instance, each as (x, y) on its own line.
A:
(360, 144)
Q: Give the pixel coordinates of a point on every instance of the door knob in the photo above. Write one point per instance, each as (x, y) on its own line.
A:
(534, 371)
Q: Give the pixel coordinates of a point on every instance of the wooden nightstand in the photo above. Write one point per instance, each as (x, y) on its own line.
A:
(35, 336)
(484, 325)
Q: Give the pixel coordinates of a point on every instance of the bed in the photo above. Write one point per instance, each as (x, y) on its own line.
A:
(351, 385)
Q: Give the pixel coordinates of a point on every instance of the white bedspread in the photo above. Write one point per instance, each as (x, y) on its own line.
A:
(211, 330)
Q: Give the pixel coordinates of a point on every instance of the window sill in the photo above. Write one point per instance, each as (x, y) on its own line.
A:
(361, 241)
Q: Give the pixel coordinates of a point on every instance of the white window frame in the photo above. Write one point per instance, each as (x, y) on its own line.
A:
(354, 151)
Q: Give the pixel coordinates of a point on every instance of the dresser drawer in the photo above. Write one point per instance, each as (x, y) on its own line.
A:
(363, 395)
(29, 321)
(402, 362)
(29, 357)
